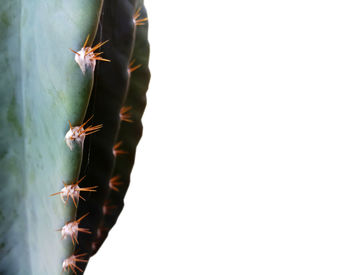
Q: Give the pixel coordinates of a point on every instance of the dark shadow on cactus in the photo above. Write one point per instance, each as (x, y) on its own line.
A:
(111, 92)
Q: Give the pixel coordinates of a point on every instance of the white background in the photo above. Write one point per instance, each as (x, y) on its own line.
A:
(244, 163)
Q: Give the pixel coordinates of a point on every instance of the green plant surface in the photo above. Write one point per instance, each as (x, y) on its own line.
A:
(41, 88)
(53, 96)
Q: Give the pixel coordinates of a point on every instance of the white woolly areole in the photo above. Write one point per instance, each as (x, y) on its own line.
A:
(75, 135)
(99, 233)
(70, 191)
(105, 209)
(70, 229)
(68, 262)
(85, 60)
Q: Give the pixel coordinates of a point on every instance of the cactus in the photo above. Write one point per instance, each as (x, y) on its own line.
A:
(71, 94)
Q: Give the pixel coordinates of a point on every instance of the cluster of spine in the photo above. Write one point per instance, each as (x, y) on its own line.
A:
(86, 59)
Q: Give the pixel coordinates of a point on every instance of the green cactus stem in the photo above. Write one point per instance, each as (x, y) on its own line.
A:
(65, 78)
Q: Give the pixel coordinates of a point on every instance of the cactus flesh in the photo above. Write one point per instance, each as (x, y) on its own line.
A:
(70, 94)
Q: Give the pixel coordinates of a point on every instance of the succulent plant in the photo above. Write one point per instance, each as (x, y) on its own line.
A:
(73, 91)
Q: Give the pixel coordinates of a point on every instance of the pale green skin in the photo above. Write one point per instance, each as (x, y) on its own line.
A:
(41, 89)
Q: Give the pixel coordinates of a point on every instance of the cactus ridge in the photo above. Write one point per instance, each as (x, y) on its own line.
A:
(108, 97)
(130, 130)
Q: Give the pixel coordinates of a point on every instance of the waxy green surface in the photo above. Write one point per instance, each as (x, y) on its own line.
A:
(41, 89)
